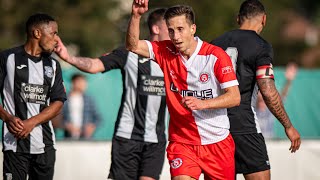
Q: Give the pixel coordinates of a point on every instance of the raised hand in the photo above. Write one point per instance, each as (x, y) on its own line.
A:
(139, 7)
(291, 71)
(62, 51)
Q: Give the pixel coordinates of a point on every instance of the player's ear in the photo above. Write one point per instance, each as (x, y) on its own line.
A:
(193, 29)
(155, 29)
(36, 33)
(264, 20)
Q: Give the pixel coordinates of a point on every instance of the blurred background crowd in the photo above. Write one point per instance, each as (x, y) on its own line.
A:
(98, 26)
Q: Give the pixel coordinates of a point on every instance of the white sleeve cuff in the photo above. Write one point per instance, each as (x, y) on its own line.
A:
(229, 84)
(151, 54)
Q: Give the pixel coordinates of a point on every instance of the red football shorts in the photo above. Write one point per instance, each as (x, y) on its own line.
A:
(216, 160)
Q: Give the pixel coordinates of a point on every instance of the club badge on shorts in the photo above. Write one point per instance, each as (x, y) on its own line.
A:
(176, 163)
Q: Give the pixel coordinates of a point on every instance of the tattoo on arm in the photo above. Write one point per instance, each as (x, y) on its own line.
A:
(82, 63)
(273, 100)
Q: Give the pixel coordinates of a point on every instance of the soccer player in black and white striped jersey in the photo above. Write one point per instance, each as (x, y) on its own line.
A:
(32, 93)
(139, 141)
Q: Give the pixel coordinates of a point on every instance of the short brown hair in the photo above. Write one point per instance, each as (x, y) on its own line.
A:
(180, 10)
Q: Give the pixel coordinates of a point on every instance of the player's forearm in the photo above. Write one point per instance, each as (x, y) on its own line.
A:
(132, 37)
(229, 99)
(82, 63)
(48, 113)
(273, 101)
(4, 115)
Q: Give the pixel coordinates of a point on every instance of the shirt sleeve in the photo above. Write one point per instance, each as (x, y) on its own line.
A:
(58, 91)
(224, 71)
(265, 56)
(158, 50)
(264, 60)
(117, 59)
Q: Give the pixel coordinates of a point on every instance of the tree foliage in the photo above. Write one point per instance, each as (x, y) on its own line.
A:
(88, 24)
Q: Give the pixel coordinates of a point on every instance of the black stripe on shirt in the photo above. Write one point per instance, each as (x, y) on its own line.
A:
(21, 76)
(141, 103)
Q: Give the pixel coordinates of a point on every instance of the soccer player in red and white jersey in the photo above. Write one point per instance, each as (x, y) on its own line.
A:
(200, 84)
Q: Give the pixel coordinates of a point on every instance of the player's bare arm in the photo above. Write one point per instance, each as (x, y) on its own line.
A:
(44, 116)
(273, 101)
(90, 65)
(229, 99)
(133, 43)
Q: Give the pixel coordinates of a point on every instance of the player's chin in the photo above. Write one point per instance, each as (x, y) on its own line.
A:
(179, 48)
(47, 52)
(51, 50)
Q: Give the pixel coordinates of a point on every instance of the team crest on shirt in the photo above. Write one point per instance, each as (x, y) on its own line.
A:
(48, 71)
(204, 77)
(176, 163)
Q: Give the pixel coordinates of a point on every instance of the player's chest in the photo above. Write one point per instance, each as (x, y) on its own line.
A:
(199, 69)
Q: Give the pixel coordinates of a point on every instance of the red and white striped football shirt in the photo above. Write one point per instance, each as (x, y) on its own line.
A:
(203, 75)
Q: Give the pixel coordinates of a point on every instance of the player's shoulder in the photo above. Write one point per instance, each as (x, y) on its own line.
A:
(222, 38)
(164, 43)
(243, 36)
(14, 50)
(210, 49)
(120, 51)
(253, 38)
(166, 46)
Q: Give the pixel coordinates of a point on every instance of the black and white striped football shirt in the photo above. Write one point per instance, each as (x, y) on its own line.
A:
(142, 112)
(28, 84)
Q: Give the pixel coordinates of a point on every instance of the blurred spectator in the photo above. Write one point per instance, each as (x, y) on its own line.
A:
(80, 116)
(265, 117)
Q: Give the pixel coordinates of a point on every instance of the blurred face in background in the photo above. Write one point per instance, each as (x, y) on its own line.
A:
(163, 30)
(79, 84)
